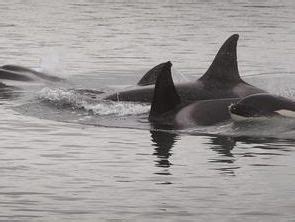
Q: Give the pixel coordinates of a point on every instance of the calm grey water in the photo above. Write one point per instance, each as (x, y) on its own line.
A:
(59, 163)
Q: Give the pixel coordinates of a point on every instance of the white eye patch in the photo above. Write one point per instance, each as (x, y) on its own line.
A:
(286, 113)
(239, 118)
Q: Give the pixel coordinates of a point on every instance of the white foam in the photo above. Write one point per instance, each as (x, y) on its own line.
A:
(178, 76)
(58, 96)
(97, 107)
(51, 62)
(117, 108)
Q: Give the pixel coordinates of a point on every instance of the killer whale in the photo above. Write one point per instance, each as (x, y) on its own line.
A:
(12, 75)
(168, 111)
(261, 106)
(21, 73)
(221, 80)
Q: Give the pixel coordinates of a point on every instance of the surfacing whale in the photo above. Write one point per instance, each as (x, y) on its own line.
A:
(221, 80)
(168, 111)
(261, 106)
(21, 73)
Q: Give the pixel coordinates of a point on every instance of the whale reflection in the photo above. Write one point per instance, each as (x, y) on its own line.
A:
(230, 149)
(163, 142)
(223, 145)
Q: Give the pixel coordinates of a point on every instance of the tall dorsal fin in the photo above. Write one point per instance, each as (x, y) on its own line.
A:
(224, 67)
(150, 77)
(165, 95)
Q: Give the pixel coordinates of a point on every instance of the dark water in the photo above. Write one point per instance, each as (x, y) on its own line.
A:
(67, 157)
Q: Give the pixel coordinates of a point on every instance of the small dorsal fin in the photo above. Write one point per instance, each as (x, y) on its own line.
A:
(224, 67)
(150, 77)
(165, 95)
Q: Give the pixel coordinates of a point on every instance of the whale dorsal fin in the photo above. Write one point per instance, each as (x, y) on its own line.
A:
(150, 77)
(224, 67)
(165, 95)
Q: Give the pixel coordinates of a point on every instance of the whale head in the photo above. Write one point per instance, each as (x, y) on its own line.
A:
(261, 106)
(240, 112)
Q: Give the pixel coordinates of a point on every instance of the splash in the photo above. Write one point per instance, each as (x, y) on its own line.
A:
(117, 108)
(51, 63)
(178, 76)
(60, 97)
(75, 100)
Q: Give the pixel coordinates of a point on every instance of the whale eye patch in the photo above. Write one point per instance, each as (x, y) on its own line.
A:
(246, 110)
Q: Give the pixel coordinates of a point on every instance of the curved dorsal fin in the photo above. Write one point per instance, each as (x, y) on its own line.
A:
(165, 95)
(150, 77)
(224, 67)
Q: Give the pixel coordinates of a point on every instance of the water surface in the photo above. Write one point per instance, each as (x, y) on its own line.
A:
(61, 161)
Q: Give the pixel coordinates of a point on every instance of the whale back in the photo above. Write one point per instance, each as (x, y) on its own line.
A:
(22, 71)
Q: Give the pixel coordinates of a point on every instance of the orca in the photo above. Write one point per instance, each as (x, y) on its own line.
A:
(12, 75)
(168, 111)
(221, 80)
(21, 73)
(262, 106)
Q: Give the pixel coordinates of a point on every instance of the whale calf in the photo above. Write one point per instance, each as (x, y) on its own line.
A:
(168, 111)
(221, 80)
(261, 106)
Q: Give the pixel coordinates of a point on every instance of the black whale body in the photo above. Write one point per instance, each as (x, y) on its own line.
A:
(169, 112)
(262, 105)
(12, 75)
(222, 80)
(21, 73)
